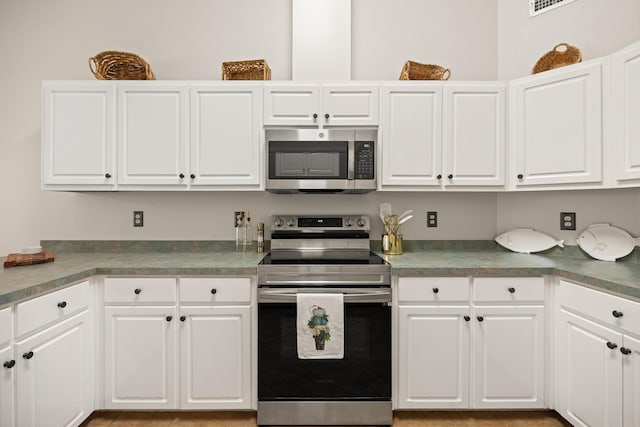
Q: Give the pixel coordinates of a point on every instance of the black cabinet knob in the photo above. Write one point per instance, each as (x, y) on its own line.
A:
(62, 304)
(617, 314)
(107, 175)
(9, 364)
(183, 318)
(192, 176)
(450, 176)
(611, 345)
(315, 116)
(512, 290)
(137, 291)
(520, 176)
(439, 176)
(326, 116)
(467, 318)
(214, 291)
(169, 318)
(181, 175)
(28, 355)
(625, 350)
(436, 290)
(480, 318)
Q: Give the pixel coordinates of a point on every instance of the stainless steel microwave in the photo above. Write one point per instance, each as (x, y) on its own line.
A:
(321, 160)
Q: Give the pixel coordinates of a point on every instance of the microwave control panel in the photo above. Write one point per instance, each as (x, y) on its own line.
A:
(365, 161)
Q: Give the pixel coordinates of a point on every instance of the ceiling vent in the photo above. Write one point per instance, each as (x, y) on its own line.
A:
(536, 7)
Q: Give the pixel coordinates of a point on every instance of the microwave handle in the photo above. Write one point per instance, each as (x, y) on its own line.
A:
(351, 160)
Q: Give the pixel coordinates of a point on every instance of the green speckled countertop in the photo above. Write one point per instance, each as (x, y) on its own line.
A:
(74, 262)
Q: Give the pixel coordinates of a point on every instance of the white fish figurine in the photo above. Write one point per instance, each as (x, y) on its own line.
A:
(606, 242)
(527, 240)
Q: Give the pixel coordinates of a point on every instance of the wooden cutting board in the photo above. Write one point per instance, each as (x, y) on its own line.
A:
(17, 260)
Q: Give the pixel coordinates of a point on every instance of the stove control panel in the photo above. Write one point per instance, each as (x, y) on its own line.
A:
(320, 223)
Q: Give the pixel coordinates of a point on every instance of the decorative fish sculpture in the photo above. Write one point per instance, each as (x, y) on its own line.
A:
(527, 240)
(606, 242)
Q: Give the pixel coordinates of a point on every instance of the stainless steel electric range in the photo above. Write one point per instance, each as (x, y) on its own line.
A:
(324, 254)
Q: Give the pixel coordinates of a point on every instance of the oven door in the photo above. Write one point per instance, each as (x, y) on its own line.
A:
(363, 374)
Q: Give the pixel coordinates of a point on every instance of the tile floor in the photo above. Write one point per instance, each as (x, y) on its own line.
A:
(400, 419)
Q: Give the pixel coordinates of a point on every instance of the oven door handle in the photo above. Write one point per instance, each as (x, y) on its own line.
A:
(349, 295)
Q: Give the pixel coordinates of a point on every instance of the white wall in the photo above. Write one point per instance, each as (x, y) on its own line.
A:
(596, 27)
(42, 40)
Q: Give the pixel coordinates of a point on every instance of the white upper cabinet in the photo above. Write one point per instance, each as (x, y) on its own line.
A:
(411, 134)
(625, 112)
(78, 135)
(225, 135)
(152, 134)
(474, 134)
(321, 105)
(556, 126)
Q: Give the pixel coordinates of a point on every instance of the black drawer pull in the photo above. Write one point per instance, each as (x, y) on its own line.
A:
(214, 291)
(520, 176)
(480, 318)
(612, 346)
(169, 318)
(512, 290)
(137, 291)
(436, 290)
(625, 350)
(183, 318)
(192, 176)
(62, 304)
(617, 314)
(326, 116)
(315, 116)
(107, 175)
(439, 176)
(28, 355)
(9, 364)
(467, 318)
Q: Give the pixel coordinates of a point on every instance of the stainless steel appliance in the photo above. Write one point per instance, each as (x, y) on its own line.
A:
(321, 254)
(321, 160)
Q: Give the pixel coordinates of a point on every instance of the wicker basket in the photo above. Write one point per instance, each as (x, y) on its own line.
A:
(558, 58)
(415, 71)
(115, 65)
(256, 69)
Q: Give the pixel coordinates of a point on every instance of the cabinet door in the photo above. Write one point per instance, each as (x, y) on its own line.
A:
(140, 357)
(152, 134)
(433, 357)
(631, 381)
(509, 357)
(215, 350)
(557, 126)
(292, 104)
(626, 110)
(7, 395)
(411, 134)
(588, 372)
(55, 376)
(355, 105)
(474, 134)
(226, 123)
(78, 134)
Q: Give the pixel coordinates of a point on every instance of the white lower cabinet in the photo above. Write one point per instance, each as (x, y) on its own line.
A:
(54, 372)
(597, 358)
(459, 351)
(165, 352)
(7, 395)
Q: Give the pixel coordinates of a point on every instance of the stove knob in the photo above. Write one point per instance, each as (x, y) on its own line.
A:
(291, 222)
(278, 222)
(348, 222)
(361, 222)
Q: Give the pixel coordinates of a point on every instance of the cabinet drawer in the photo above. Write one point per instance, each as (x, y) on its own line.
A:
(40, 311)
(140, 290)
(433, 289)
(601, 306)
(215, 289)
(508, 289)
(5, 325)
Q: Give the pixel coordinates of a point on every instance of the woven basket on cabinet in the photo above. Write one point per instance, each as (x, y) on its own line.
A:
(116, 65)
(416, 71)
(558, 58)
(255, 69)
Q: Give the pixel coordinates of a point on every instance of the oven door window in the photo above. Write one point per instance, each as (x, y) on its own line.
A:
(363, 374)
(308, 160)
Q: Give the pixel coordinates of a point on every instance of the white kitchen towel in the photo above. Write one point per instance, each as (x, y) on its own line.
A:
(320, 326)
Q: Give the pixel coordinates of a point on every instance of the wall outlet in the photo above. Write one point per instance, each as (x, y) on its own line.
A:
(432, 219)
(567, 220)
(138, 218)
